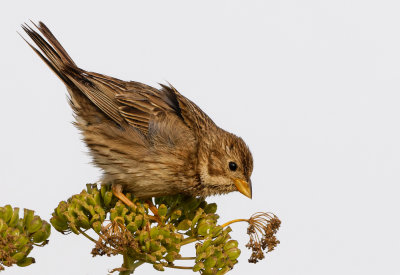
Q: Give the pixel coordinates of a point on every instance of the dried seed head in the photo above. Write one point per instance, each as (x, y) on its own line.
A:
(262, 229)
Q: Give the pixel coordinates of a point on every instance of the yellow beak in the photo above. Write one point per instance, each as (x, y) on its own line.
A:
(243, 187)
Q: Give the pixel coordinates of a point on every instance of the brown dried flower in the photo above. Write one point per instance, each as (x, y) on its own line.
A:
(113, 240)
(7, 248)
(262, 229)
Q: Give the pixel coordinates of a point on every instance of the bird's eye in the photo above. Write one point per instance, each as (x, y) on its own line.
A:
(232, 166)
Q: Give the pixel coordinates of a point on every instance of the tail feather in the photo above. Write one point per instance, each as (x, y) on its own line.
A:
(84, 88)
(53, 60)
(54, 42)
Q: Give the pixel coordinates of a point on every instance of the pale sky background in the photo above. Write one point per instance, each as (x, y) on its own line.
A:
(313, 87)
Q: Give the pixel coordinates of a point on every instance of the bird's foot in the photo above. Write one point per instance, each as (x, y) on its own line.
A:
(117, 191)
(154, 209)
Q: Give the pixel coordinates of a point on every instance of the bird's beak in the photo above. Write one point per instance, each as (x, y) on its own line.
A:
(243, 187)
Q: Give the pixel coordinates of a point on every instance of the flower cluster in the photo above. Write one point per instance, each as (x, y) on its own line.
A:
(19, 235)
(153, 231)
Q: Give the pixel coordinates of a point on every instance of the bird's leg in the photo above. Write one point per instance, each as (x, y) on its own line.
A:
(153, 209)
(117, 191)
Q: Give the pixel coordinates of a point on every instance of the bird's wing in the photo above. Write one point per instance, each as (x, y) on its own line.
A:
(123, 102)
(142, 103)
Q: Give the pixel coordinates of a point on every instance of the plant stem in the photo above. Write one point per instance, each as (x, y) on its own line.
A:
(189, 240)
(86, 235)
(186, 258)
(233, 221)
(130, 265)
(180, 267)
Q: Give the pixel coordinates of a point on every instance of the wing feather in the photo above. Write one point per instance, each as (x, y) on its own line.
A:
(123, 102)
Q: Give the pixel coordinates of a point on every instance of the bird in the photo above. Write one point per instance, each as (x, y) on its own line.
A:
(147, 141)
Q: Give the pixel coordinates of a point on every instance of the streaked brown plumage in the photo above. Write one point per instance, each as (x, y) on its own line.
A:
(151, 141)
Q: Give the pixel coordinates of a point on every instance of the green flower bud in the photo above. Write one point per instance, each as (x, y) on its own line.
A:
(61, 209)
(97, 198)
(140, 209)
(154, 232)
(209, 271)
(59, 224)
(34, 225)
(72, 211)
(107, 198)
(83, 221)
(210, 262)
(21, 241)
(47, 228)
(199, 213)
(96, 226)
(162, 210)
(6, 213)
(113, 214)
(165, 232)
(176, 214)
(18, 256)
(203, 204)
(217, 230)
(20, 225)
(150, 258)
(132, 227)
(155, 245)
(26, 261)
(129, 218)
(158, 267)
(94, 218)
(91, 201)
(233, 253)
(206, 243)
(139, 221)
(201, 256)
(26, 248)
(158, 254)
(221, 238)
(184, 225)
(28, 216)
(3, 226)
(204, 229)
(171, 256)
(13, 232)
(230, 244)
(91, 188)
(147, 245)
(100, 211)
(198, 266)
(221, 261)
(211, 208)
(86, 208)
(42, 234)
(174, 247)
(124, 211)
(192, 203)
(143, 236)
(210, 251)
(73, 228)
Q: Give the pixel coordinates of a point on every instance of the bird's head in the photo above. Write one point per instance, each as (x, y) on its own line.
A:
(226, 165)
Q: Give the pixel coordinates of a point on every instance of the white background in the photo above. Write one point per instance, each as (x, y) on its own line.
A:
(311, 86)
